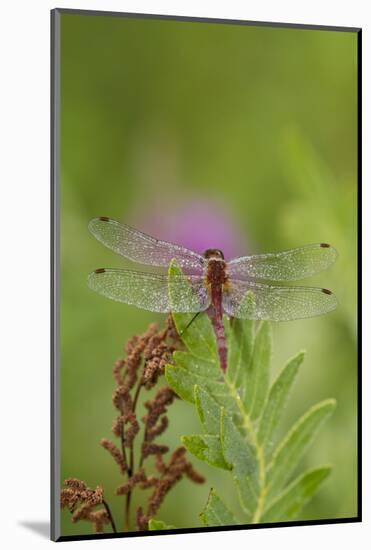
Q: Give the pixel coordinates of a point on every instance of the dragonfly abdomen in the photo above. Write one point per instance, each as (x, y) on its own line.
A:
(217, 322)
(216, 277)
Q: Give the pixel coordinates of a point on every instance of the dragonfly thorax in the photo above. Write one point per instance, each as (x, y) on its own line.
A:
(216, 275)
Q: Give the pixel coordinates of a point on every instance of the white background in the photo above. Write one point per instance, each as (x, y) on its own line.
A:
(24, 271)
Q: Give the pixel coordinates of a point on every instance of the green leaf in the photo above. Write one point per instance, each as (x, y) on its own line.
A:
(181, 381)
(291, 501)
(216, 512)
(206, 368)
(240, 337)
(190, 371)
(207, 448)
(276, 400)
(158, 525)
(258, 375)
(208, 410)
(199, 335)
(241, 455)
(291, 449)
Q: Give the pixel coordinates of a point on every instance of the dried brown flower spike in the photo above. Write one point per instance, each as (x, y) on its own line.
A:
(144, 362)
(81, 501)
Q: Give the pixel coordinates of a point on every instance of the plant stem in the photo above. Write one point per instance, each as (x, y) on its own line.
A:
(131, 465)
(123, 445)
(136, 396)
(110, 516)
(127, 511)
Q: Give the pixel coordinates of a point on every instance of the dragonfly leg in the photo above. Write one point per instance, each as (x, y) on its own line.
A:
(190, 322)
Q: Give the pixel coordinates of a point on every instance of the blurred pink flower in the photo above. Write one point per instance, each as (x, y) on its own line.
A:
(196, 223)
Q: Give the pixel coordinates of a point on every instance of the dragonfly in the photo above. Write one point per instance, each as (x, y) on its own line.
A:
(217, 287)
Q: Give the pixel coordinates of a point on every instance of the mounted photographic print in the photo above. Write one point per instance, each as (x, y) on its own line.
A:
(205, 191)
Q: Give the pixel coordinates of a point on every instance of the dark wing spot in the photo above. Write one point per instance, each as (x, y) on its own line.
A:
(100, 270)
(325, 245)
(105, 219)
(326, 291)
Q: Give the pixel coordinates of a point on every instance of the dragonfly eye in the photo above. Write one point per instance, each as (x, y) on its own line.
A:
(214, 253)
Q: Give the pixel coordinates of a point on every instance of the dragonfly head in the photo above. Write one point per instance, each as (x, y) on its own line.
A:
(213, 253)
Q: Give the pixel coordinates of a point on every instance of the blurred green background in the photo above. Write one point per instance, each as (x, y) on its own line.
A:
(251, 129)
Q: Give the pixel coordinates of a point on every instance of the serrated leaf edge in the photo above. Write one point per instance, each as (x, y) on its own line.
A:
(327, 468)
(330, 403)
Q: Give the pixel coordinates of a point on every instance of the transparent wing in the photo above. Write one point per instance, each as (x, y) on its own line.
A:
(248, 300)
(142, 248)
(151, 290)
(290, 265)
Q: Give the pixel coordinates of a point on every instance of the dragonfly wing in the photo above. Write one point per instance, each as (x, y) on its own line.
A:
(248, 300)
(150, 291)
(142, 248)
(290, 265)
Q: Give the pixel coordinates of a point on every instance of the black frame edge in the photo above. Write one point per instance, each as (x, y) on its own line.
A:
(186, 18)
(54, 273)
(192, 530)
(359, 269)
